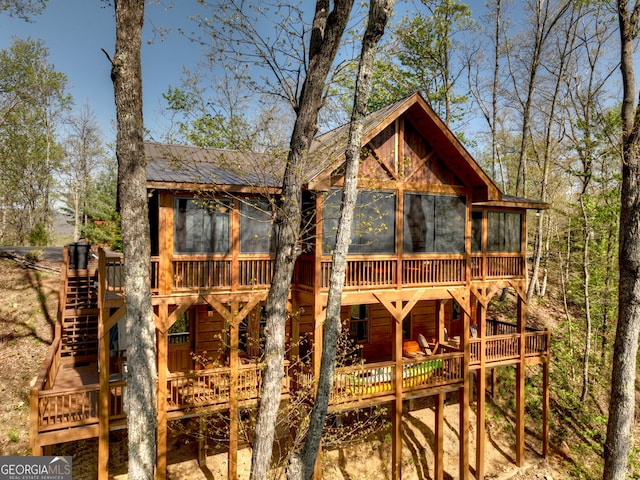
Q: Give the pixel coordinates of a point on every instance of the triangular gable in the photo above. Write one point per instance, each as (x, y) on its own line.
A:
(406, 141)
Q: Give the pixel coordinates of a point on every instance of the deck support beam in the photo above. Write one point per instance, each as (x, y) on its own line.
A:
(464, 391)
(105, 394)
(439, 438)
(481, 388)
(398, 311)
(440, 403)
(396, 434)
(236, 318)
(520, 382)
(545, 405)
(163, 349)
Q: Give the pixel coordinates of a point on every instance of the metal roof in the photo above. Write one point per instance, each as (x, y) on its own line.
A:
(183, 164)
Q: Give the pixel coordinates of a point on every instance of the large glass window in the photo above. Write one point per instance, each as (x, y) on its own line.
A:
(504, 232)
(257, 232)
(201, 225)
(374, 226)
(434, 223)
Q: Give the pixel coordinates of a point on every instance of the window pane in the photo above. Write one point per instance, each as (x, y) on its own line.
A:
(476, 231)
(373, 229)
(495, 233)
(330, 213)
(512, 232)
(257, 233)
(504, 232)
(434, 223)
(449, 220)
(418, 223)
(201, 226)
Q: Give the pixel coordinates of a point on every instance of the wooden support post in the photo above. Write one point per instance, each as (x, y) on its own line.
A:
(439, 438)
(481, 387)
(440, 319)
(165, 247)
(163, 351)
(463, 394)
(545, 407)
(396, 434)
(520, 381)
(105, 394)
(232, 473)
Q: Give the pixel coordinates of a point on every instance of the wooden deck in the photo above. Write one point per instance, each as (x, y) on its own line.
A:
(73, 399)
(208, 272)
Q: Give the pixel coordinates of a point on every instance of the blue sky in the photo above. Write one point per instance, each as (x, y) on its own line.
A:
(76, 30)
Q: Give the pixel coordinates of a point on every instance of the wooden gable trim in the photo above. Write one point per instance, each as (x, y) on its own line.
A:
(323, 179)
(420, 165)
(493, 192)
(487, 191)
(507, 204)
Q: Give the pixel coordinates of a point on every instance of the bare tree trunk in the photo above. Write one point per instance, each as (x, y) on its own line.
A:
(587, 300)
(564, 278)
(140, 403)
(609, 273)
(621, 408)
(328, 27)
(545, 21)
(567, 48)
(379, 12)
(495, 84)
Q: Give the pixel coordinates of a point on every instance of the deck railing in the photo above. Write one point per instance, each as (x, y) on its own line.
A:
(363, 272)
(114, 273)
(373, 380)
(497, 265)
(505, 266)
(434, 271)
(201, 273)
(256, 272)
(505, 347)
(498, 348)
(68, 408)
(210, 388)
(197, 272)
(201, 388)
(304, 272)
(537, 343)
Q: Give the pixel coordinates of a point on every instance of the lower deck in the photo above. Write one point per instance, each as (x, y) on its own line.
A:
(71, 404)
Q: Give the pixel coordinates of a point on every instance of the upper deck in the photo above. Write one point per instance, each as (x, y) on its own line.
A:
(216, 273)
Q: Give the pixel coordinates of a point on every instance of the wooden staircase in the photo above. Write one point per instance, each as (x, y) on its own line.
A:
(79, 317)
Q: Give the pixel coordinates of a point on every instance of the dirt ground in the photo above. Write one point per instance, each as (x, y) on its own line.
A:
(28, 302)
(371, 460)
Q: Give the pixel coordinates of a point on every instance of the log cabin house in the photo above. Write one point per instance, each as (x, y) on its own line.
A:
(434, 240)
